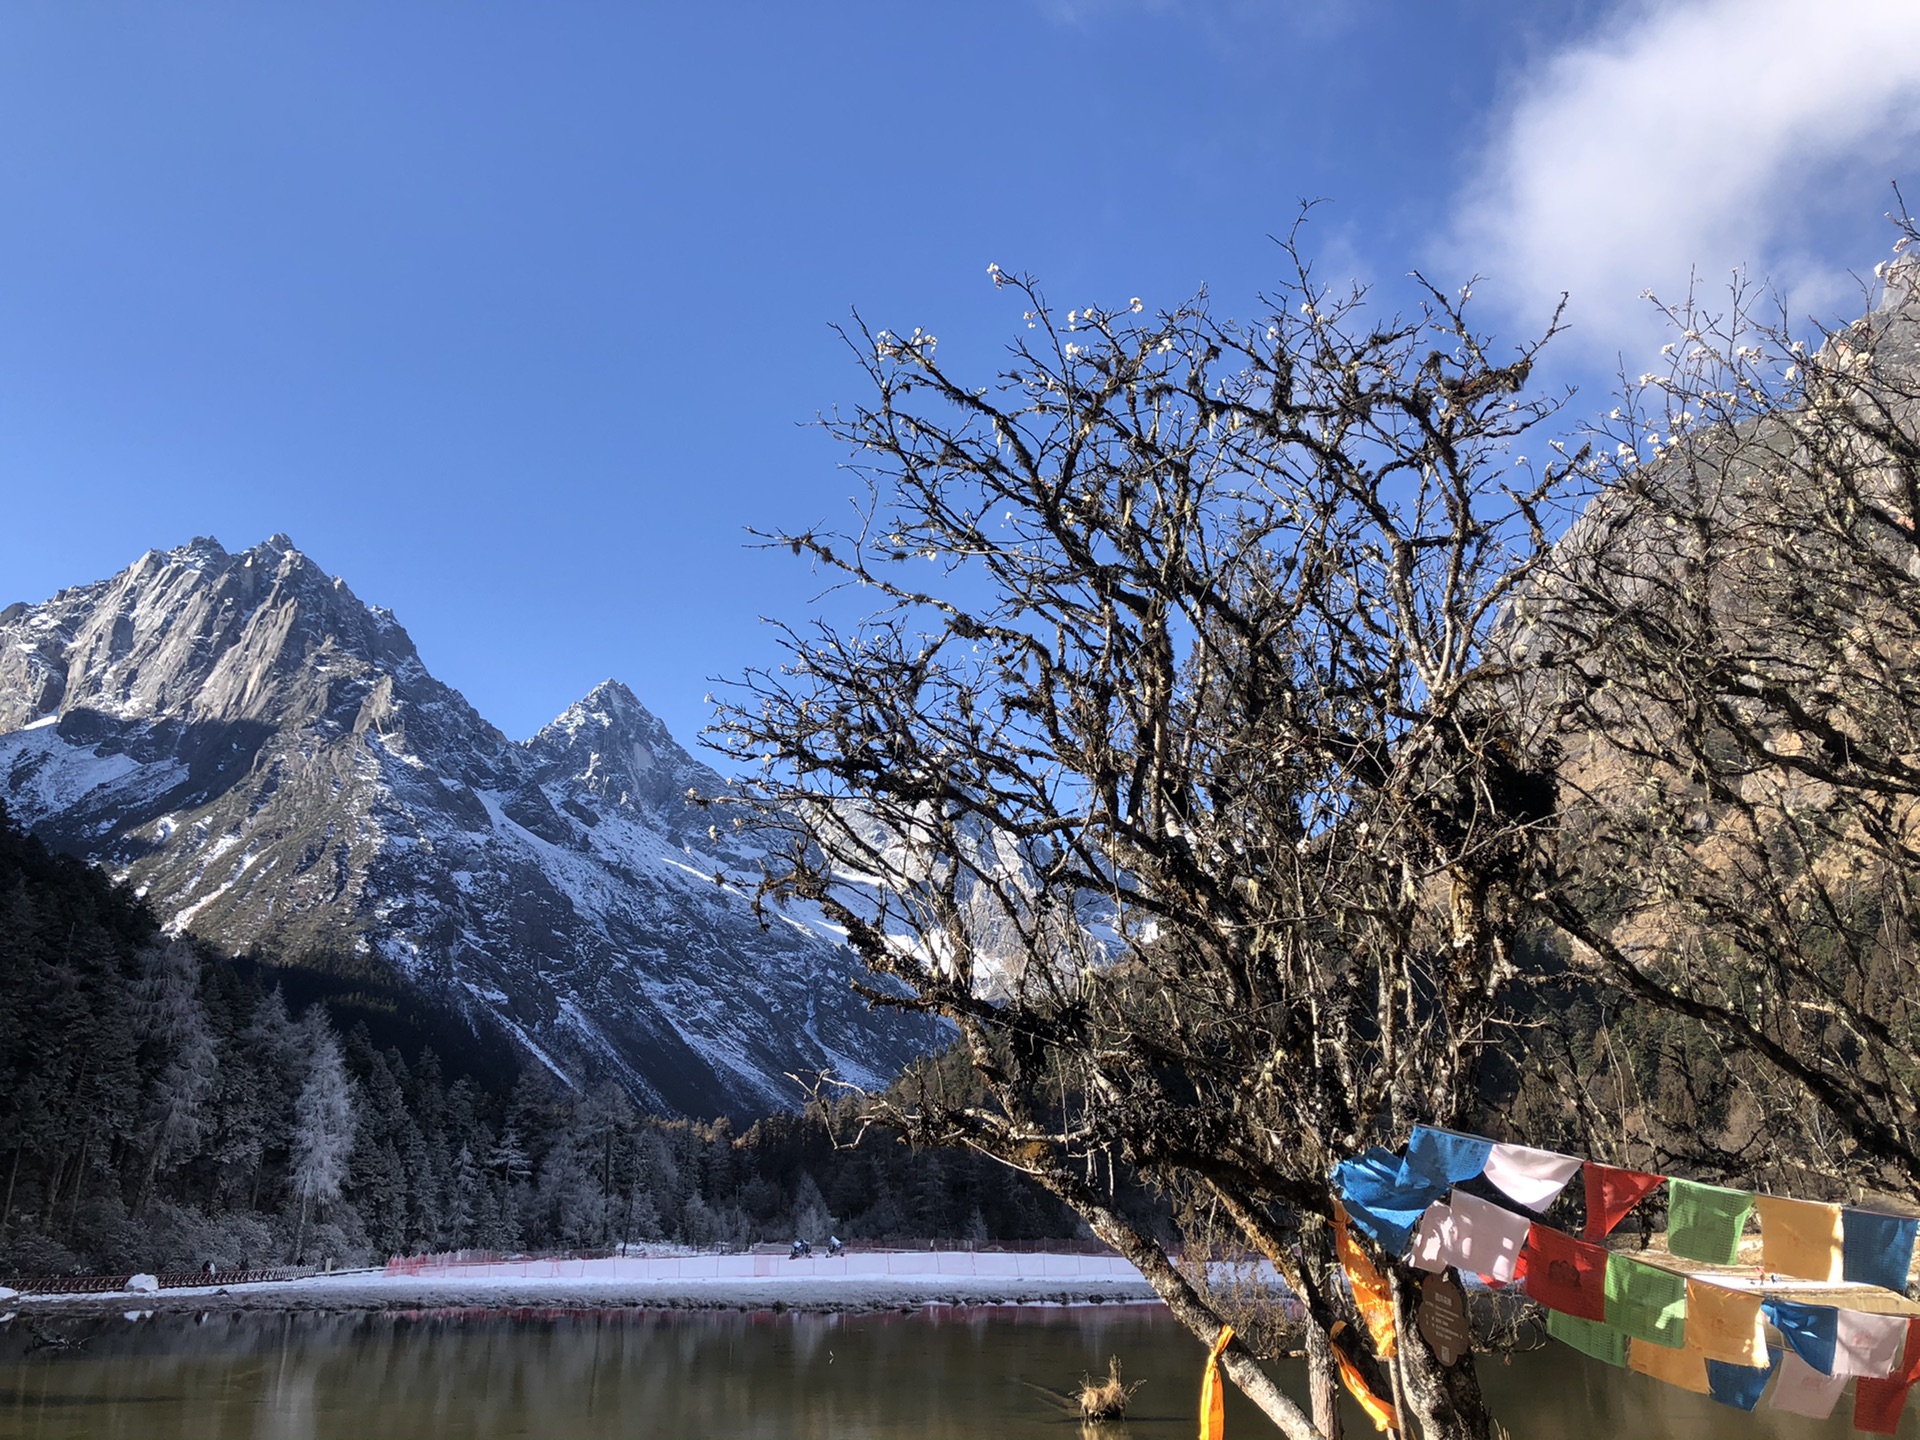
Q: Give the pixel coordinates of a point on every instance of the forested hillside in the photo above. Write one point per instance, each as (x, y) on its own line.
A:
(162, 1106)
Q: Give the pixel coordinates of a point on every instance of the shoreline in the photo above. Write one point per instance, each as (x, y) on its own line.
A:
(522, 1286)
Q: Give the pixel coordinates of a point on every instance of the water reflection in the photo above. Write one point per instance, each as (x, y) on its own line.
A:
(929, 1375)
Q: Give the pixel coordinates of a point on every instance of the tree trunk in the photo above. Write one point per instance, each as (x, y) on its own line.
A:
(1308, 1271)
(1445, 1400)
(1172, 1288)
(300, 1233)
(145, 1191)
(13, 1175)
(1323, 1382)
(56, 1182)
(79, 1181)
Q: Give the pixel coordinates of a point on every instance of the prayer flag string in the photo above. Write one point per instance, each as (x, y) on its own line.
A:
(1700, 1332)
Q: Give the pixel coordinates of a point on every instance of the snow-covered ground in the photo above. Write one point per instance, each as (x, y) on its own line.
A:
(887, 1280)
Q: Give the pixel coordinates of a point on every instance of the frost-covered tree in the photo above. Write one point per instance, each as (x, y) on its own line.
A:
(275, 1041)
(508, 1157)
(323, 1123)
(391, 1179)
(812, 1221)
(642, 1218)
(1172, 764)
(464, 1201)
(170, 1015)
(567, 1197)
(604, 1122)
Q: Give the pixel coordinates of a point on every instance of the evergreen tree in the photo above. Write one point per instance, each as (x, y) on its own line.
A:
(275, 1044)
(464, 1203)
(507, 1159)
(323, 1123)
(811, 1220)
(169, 1015)
(567, 1199)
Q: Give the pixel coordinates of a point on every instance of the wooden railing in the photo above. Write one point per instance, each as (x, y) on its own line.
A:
(170, 1280)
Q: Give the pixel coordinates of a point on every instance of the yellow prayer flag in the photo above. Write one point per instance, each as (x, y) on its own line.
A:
(1381, 1412)
(1213, 1398)
(1724, 1324)
(1680, 1365)
(1800, 1238)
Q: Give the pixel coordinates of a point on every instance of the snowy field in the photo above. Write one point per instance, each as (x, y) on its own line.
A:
(876, 1281)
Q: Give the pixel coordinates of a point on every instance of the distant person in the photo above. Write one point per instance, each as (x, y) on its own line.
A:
(800, 1249)
(835, 1245)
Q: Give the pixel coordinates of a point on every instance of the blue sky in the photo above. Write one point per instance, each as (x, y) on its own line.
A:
(513, 315)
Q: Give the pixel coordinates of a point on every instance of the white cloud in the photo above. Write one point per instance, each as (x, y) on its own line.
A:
(1700, 135)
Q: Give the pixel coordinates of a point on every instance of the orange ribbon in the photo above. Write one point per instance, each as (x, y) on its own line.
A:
(1371, 1292)
(1213, 1398)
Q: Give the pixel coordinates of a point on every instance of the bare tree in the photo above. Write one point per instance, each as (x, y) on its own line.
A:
(1733, 632)
(1170, 765)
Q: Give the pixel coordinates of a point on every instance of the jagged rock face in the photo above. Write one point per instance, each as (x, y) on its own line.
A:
(268, 760)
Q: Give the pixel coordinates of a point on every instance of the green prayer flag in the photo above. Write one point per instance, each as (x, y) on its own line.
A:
(1704, 1221)
(1589, 1337)
(1646, 1302)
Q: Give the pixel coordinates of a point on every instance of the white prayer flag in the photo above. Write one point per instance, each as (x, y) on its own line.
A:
(1434, 1239)
(1803, 1390)
(1868, 1344)
(1486, 1239)
(1532, 1177)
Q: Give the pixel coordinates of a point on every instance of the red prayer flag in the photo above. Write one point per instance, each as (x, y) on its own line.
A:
(1566, 1274)
(1519, 1275)
(1877, 1405)
(1611, 1194)
(1909, 1370)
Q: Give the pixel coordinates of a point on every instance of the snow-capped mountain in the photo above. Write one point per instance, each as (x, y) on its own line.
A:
(266, 757)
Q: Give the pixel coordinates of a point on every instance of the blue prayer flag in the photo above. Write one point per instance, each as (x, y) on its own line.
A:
(1439, 1157)
(1738, 1385)
(1877, 1249)
(1810, 1329)
(1381, 1200)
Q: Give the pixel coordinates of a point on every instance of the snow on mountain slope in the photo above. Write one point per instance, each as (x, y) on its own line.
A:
(268, 760)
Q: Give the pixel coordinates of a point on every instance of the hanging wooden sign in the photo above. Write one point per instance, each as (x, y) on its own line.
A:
(1443, 1318)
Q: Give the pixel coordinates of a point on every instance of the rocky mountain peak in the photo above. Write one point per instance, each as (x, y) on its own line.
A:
(201, 551)
(269, 761)
(614, 705)
(200, 634)
(612, 746)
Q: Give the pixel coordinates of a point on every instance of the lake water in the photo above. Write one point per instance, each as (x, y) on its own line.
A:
(996, 1374)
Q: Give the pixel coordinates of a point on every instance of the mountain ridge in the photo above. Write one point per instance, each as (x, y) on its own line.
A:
(269, 761)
